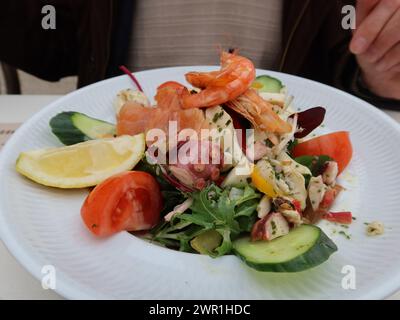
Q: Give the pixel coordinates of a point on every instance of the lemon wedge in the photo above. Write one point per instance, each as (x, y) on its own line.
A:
(84, 164)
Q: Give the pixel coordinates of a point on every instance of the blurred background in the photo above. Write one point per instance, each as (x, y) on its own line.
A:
(32, 85)
(53, 47)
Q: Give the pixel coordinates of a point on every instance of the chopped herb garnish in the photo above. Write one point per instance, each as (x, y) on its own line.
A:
(292, 144)
(217, 116)
(278, 175)
(273, 225)
(268, 143)
(344, 234)
(228, 122)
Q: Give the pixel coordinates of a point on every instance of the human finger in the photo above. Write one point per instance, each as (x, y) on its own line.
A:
(386, 40)
(372, 25)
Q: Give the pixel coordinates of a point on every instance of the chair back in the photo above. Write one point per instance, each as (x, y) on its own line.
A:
(11, 78)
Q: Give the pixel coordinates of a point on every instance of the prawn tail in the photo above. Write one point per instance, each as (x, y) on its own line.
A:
(259, 112)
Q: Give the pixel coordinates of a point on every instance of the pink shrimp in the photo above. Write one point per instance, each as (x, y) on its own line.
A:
(235, 77)
(259, 112)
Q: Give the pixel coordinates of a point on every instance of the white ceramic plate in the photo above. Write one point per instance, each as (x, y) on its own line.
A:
(42, 226)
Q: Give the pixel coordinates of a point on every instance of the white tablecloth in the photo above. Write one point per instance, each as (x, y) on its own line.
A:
(15, 281)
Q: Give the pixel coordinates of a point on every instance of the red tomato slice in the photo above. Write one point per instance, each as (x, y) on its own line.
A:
(336, 145)
(129, 201)
(339, 217)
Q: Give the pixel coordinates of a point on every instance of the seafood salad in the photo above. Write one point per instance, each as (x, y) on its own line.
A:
(221, 166)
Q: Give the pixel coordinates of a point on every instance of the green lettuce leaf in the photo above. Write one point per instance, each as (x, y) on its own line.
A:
(229, 212)
(314, 163)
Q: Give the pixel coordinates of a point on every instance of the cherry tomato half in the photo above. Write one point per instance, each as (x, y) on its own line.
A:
(130, 201)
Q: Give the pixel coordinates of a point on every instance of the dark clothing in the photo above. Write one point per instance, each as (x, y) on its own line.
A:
(91, 40)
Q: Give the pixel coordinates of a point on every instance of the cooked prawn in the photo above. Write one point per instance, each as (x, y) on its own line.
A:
(169, 95)
(235, 77)
(201, 79)
(259, 112)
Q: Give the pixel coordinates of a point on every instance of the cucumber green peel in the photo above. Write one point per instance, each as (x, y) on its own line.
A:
(303, 248)
(75, 127)
(267, 84)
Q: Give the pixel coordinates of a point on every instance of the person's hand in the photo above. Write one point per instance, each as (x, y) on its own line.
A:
(376, 44)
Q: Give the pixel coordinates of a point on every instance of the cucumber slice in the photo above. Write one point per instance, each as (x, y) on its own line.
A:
(303, 248)
(267, 84)
(74, 127)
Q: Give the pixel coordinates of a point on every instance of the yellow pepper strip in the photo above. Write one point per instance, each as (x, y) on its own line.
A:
(262, 183)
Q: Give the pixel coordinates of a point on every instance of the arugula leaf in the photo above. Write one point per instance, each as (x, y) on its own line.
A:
(155, 171)
(226, 245)
(213, 206)
(197, 219)
(314, 163)
(213, 209)
(291, 145)
(178, 235)
(245, 210)
(171, 199)
(246, 222)
(248, 194)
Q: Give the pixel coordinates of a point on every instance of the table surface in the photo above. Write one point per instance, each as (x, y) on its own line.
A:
(15, 281)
